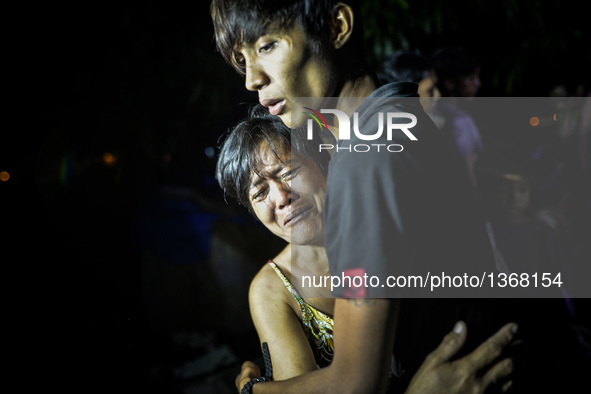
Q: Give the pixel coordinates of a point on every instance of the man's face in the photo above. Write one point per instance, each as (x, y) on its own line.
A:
(280, 65)
(288, 197)
(469, 85)
(428, 91)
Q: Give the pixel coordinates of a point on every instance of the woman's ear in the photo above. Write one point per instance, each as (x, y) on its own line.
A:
(342, 25)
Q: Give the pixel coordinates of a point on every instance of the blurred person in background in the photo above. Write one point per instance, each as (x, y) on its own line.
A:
(457, 75)
(412, 66)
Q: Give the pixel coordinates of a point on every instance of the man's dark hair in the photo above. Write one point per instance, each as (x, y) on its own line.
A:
(238, 22)
(452, 63)
(405, 66)
(240, 153)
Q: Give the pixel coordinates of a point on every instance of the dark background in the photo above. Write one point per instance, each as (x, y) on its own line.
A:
(124, 266)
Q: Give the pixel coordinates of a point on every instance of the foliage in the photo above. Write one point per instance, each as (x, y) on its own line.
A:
(526, 46)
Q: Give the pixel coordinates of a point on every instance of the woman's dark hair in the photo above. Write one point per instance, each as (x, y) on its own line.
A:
(240, 152)
(238, 22)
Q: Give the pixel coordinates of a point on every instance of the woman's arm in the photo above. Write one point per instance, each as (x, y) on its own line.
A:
(278, 324)
(364, 337)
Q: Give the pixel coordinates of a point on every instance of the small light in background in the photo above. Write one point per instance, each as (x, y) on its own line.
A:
(556, 117)
(209, 152)
(109, 159)
(4, 176)
(534, 121)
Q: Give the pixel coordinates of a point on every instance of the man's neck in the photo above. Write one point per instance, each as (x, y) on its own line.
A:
(359, 87)
(352, 94)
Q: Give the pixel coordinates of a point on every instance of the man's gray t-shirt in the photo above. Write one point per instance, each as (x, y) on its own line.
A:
(393, 213)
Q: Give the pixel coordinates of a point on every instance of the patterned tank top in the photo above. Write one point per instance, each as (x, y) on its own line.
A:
(317, 326)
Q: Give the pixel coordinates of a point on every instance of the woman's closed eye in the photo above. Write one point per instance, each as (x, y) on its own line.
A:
(259, 194)
(290, 174)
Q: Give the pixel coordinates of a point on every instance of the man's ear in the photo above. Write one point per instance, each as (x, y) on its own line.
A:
(342, 25)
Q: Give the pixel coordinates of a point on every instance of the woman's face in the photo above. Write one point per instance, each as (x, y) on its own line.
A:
(288, 197)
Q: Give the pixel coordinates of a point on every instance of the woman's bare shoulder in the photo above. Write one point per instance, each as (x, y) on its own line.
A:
(266, 284)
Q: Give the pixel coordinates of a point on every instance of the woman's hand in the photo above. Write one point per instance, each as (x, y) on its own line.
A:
(249, 371)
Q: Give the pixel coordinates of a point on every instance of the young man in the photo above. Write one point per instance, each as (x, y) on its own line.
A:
(382, 211)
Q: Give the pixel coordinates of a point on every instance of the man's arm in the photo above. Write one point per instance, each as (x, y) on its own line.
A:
(473, 373)
(364, 338)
